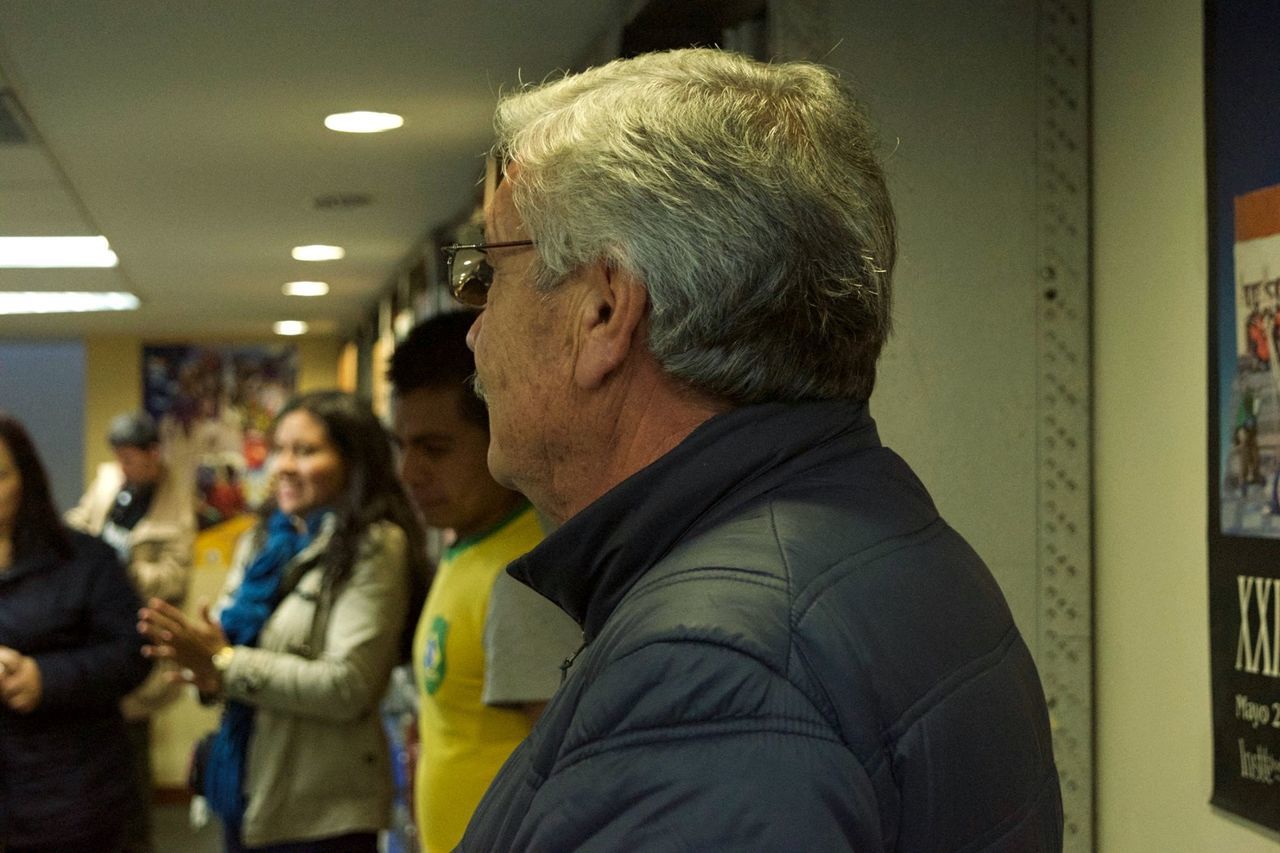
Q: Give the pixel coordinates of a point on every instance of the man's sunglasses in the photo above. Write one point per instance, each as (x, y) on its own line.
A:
(469, 271)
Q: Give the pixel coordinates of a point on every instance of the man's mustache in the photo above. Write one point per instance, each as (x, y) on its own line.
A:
(478, 387)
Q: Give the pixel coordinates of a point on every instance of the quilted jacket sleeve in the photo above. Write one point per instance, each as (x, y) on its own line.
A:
(708, 750)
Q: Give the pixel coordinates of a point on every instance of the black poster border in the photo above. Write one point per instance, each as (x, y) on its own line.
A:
(1243, 746)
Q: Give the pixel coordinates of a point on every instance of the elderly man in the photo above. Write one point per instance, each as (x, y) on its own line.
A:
(686, 288)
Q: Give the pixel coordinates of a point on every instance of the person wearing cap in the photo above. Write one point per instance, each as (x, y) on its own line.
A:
(141, 510)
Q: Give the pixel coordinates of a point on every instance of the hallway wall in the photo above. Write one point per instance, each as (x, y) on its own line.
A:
(51, 408)
(1151, 273)
(954, 103)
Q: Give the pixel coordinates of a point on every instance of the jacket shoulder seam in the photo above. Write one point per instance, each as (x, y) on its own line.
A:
(942, 690)
(786, 573)
(830, 577)
(953, 681)
(691, 729)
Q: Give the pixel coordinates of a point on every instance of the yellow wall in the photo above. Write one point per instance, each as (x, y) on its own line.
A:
(113, 382)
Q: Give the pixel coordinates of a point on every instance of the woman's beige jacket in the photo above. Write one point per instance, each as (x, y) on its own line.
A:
(318, 762)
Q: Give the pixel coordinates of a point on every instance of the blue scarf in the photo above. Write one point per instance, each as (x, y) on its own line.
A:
(242, 620)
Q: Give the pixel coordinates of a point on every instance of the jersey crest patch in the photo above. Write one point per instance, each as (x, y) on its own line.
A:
(434, 659)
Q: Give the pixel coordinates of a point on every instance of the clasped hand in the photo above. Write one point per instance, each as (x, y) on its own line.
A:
(189, 643)
(21, 686)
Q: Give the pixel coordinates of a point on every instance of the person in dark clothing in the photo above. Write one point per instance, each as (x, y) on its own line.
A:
(141, 509)
(68, 652)
(685, 288)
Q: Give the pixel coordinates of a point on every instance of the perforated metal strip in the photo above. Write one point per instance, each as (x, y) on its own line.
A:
(1063, 404)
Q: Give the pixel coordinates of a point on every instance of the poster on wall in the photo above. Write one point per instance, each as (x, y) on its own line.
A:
(1242, 114)
(214, 406)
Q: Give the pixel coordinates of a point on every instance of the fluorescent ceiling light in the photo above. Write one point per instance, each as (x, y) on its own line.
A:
(305, 288)
(55, 252)
(64, 302)
(363, 121)
(290, 327)
(318, 252)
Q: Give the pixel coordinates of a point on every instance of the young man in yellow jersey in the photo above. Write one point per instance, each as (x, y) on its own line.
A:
(488, 649)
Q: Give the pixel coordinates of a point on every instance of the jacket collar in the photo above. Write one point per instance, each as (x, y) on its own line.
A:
(589, 563)
(305, 560)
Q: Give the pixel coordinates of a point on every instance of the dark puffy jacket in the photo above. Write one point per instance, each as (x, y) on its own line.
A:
(787, 649)
(64, 767)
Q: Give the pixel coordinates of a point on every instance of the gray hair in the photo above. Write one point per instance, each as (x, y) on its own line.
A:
(746, 196)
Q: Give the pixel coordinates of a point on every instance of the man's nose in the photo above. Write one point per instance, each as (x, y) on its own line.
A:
(474, 330)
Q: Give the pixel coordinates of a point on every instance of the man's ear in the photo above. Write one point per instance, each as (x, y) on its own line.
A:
(610, 317)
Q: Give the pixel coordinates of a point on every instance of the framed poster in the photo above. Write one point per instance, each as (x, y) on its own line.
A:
(1242, 113)
(215, 406)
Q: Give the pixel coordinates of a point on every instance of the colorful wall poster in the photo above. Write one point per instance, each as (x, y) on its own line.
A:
(215, 406)
(1243, 133)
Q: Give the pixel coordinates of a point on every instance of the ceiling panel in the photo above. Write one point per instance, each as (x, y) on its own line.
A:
(191, 135)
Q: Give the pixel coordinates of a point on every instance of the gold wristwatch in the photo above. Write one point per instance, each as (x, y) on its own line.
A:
(222, 659)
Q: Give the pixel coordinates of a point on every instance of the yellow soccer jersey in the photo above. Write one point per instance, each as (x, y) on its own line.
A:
(464, 741)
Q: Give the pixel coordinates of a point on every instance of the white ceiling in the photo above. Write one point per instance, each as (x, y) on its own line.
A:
(189, 133)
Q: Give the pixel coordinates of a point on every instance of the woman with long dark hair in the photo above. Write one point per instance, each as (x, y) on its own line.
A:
(315, 616)
(68, 653)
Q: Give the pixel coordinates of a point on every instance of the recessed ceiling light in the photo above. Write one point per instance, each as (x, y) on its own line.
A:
(363, 121)
(289, 327)
(305, 288)
(318, 252)
(55, 252)
(64, 302)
